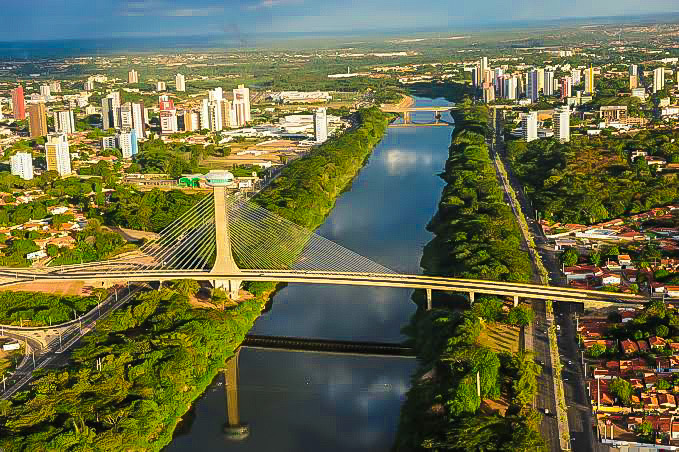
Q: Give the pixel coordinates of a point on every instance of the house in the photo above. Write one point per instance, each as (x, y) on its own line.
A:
(36, 255)
(624, 260)
(611, 279)
(627, 315)
(650, 402)
(667, 401)
(672, 291)
(629, 347)
(657, 342)
(643, 345)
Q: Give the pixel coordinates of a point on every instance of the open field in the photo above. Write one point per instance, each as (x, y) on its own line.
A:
(500, 337)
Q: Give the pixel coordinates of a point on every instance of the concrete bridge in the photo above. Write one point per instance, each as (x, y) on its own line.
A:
(206, 242)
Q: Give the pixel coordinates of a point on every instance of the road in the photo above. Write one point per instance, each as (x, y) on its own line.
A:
(577, 401)
(57, 353)
(546, 397)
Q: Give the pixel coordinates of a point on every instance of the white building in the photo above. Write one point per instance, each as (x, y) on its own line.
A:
(160, 86)
(58, 155)
(88, 85)
(548, 89)
(321, 125)
(658, 79)
(241, 96)
(127, 143)
(45, 91)
(639, 93)
(64, 121)
(529, 122)
(108, 142)
(562, 124)
(133, 76)
(22, 165)
(180, 82)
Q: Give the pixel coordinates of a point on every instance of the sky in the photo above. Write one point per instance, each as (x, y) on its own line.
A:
(72, 19)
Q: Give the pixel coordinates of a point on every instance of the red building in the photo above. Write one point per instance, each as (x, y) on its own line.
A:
(18, 103)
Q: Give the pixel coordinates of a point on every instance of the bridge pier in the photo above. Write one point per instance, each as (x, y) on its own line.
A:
(231, 286)
(429, 303)
(471, 298)
(406, 117)
(516, 300)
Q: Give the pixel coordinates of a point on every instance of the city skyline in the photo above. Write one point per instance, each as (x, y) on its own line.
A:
(51, 19)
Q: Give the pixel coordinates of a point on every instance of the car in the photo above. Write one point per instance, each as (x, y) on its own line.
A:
(558, 327)
(547, 411)
(570, 363)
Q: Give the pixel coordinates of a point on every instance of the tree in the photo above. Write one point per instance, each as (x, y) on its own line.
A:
(662, 385)
(621, 389)
(596, 350)
(186, 287)
(520, 316)
(662, 331)
(569, 257)
(645, 430)
(488, 308)
(595, 258)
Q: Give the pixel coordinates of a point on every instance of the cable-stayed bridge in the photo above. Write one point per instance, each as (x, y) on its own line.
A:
(227, 240)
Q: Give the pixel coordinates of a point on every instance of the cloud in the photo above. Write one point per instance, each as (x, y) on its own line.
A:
(160, 8)
(266, 4)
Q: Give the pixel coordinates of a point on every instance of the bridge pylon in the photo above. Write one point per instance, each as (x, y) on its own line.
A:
(224, 261)
(233, 428)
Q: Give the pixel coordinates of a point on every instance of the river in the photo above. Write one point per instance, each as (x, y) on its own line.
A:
(307, 401)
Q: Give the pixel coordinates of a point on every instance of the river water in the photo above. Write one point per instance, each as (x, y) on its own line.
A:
(306, 401)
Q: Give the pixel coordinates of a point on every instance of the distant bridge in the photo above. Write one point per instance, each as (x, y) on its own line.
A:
(406, 112)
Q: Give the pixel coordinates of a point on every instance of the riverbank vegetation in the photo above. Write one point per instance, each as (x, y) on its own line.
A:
(306, 190)
(38, 309)
(475, 232)
(466, 396)
(131, 381)
(592, 179)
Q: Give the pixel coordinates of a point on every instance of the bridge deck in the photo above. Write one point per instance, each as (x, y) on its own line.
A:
(328, 346)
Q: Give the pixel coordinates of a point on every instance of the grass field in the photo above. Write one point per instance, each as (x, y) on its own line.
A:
(500, 337)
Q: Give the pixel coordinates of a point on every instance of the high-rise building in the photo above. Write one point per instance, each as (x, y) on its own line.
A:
(45, 91)
(488, 92)
(88, 85)
(168, 116)
(476, 77)
(191, 121)
(55, 86)
(110, 110)
(566, 87)
(589, 81)
(548, 89)
(21, 164)
(64, 122)
(58, 155)
(658, 79)
(483, 66)
(633, 69)
(633, 81)
(241, 95)
(576, 76)
(139, 119)
(541, 80)
(321, 125)
(227, 113)
(529, 123)
(562, 124)
(125, 115)
(512, 88)
(160, 86)
(127, 143)
(37, 124)
(532, 86)
(215, 94)
(132, 76)
(18, 103)
(180, 82)
(2, 116)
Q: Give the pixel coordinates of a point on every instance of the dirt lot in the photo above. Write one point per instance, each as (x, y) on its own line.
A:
(60, 288)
